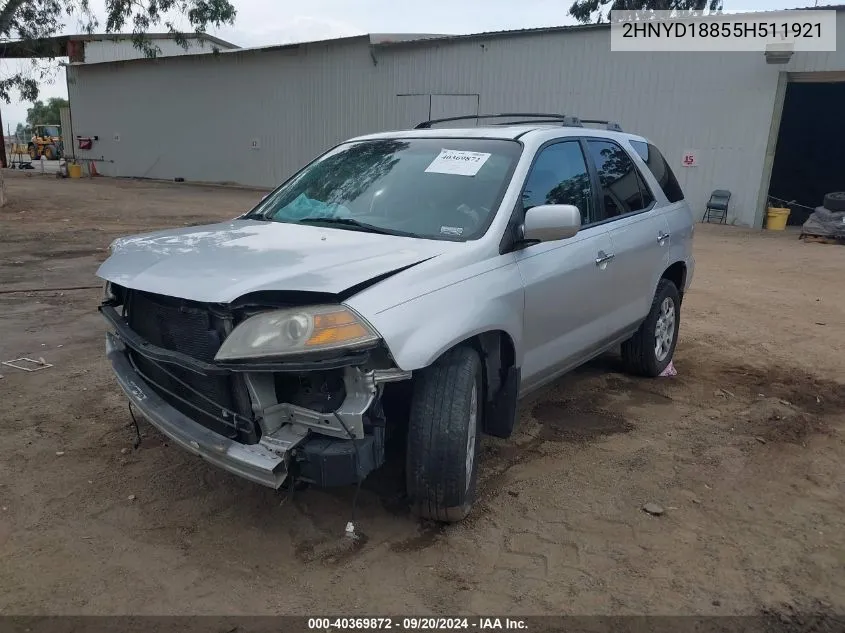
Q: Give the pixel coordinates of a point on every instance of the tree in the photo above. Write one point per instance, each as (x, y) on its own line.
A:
(30, 22)
(586, 11)
(21, 131)
(41, 113)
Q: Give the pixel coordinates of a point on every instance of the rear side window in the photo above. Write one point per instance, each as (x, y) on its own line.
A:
(622, 187)
(660, 169)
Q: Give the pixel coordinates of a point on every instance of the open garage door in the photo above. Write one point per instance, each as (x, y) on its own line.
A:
(809, 159)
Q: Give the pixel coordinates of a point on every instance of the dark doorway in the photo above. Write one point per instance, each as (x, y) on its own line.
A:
(810, 152)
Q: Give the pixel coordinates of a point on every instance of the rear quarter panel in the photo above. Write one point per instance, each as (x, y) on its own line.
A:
(681, 229)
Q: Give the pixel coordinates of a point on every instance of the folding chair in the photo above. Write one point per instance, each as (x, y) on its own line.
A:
(718, 206)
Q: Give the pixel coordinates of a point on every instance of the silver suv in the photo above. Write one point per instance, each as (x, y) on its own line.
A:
(404, 288)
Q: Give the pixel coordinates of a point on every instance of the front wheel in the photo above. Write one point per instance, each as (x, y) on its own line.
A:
(649, 351)
(444, 429)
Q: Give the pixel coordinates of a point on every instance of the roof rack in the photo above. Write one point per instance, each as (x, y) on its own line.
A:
(530, 117)
(612, 126)
(569, 121)
(533, 115)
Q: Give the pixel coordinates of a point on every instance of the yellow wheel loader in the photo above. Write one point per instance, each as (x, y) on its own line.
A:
(46, 141)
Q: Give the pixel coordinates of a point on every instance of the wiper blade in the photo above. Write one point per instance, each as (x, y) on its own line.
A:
(347, 222)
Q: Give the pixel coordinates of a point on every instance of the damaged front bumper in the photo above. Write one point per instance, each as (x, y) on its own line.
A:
(295, 441)
(250, 461)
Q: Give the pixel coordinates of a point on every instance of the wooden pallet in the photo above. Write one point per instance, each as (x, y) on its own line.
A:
(821, 239)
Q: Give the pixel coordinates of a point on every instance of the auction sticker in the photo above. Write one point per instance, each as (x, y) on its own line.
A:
(457, 162)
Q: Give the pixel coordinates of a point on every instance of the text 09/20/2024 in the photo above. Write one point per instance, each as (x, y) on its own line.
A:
(417, 623)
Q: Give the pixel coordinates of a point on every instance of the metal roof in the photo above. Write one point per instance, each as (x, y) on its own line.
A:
(57, 46)
(504, 33)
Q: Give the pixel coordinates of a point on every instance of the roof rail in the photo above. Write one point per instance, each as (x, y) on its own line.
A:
(528, 117)
(568, 121)
(563, 119)
(612, 126)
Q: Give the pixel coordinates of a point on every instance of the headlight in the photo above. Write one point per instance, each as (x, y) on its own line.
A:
(297, 330)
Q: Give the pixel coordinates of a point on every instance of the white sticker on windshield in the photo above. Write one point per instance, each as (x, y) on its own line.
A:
(451, 230)
(452, 161)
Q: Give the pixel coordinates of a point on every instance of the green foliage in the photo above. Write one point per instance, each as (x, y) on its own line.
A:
(41, 113)
(586, 11)
(30, 21)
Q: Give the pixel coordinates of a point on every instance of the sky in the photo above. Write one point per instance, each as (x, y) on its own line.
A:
(268, 22)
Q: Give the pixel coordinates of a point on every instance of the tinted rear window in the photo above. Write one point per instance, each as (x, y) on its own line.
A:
(660, 170)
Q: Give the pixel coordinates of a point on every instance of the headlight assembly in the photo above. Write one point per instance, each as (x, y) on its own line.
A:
(296, 331)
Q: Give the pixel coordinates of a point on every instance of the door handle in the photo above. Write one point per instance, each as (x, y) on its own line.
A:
(662, 237)
(603, 257)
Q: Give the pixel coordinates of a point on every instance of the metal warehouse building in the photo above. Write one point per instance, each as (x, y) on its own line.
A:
(254, 116)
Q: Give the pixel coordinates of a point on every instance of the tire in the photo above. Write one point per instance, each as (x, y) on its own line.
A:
(33, 152)
(640, 353)
(444, 436)
(51, 152)
(835, 201)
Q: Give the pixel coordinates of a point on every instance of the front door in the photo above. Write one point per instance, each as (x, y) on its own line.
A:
(565, 281)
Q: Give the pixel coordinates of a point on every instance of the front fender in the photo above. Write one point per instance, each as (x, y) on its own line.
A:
(417, 332)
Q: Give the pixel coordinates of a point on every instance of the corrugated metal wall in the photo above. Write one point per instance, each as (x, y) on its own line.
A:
(98, 51)
(68, 139)
(197, 117)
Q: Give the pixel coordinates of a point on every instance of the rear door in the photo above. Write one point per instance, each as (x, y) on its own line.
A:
(567, 281)
(638, 231)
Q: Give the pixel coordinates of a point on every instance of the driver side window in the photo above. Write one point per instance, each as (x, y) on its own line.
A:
(560, 176)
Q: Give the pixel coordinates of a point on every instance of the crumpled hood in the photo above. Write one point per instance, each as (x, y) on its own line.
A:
(221, 262)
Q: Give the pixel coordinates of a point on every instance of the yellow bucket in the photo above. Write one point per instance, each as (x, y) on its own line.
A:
(776, 218)
(74, 170)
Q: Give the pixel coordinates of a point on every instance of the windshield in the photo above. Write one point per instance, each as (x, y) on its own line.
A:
(49, 130)
(431, 188)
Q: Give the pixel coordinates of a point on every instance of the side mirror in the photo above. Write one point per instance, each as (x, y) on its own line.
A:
(551, 222)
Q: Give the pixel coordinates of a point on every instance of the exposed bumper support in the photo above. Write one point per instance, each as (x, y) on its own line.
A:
(361, 389)
(253, 462)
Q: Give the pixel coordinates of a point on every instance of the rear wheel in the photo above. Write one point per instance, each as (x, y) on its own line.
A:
(443, 436)
(50, 152)
(650, 350)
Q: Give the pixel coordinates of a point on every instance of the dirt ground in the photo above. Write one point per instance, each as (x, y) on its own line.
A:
(743, 449)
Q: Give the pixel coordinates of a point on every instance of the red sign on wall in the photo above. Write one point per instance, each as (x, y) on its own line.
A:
(690, 158)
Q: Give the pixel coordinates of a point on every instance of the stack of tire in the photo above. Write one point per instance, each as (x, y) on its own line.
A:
(827, 220)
